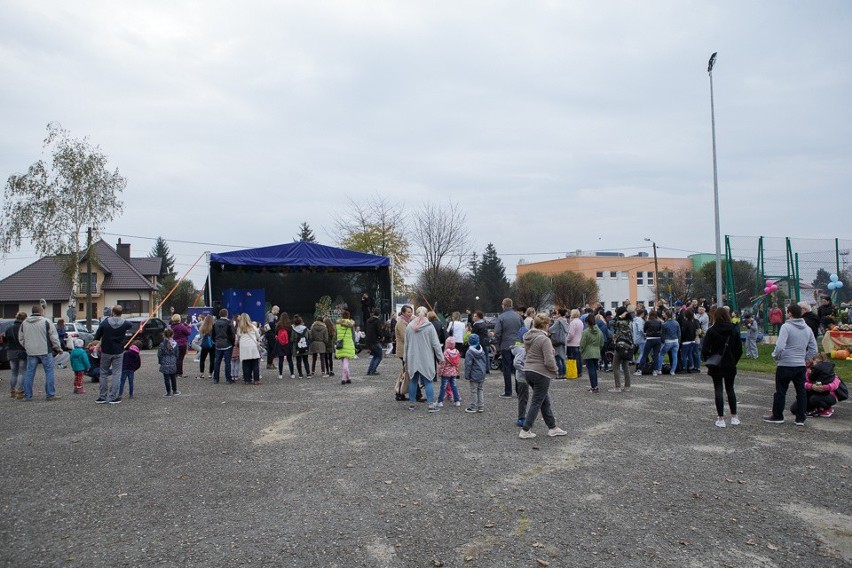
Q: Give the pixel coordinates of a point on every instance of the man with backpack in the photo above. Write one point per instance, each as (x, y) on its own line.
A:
(622, 337)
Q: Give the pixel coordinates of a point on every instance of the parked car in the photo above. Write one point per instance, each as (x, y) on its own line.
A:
(77, 331)
(95, 324)
(151, 335)
(4, 358)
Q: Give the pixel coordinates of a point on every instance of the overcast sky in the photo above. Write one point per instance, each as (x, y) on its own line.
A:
(560, 125)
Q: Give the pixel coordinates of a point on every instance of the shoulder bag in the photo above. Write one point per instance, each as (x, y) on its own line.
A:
(715, 360)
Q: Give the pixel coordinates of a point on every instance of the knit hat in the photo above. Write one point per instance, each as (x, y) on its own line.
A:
(450, 342)
(78, 342)
(473, 340)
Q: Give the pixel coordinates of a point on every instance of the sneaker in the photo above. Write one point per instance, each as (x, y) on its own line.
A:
(54, 397)
(480, 410)
(827, 413)
(553, 432)
(800, 423)
(115, 401)
(504, 395)
(101, 400)
(720, 423)
(434, 408)
(457, 403)
(814, 412)
(470, 410)
(654, 373)
(615, 389)
(176, 393)
(167, 394)
(735, 421)
(772, 420)
(280, 377)
(411, 407)
(520, 422)
(440, 405)
(637, 373)
(324, 375)
(625, 389)
(672, 373)
(292, 376)
(526, 434)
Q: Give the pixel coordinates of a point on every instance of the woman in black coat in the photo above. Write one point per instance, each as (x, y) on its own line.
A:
(723, 338)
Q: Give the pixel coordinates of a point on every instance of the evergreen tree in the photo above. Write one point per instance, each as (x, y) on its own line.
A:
(491, 279)
(306, 234)
(161, 249)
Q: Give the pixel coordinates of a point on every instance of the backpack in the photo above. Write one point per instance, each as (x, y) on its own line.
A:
(207, 342)
(301, 341)
(282, 337)
(558, 336)
(623, 340)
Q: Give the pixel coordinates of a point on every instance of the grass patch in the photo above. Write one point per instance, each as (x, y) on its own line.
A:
(765, 364)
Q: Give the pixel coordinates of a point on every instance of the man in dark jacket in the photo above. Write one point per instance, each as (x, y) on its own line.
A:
(480, 328)
(373, 335)
(505, 335)
(112, 335)
(223, 342)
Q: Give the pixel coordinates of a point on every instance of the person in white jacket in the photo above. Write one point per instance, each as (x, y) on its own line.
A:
(40, 340)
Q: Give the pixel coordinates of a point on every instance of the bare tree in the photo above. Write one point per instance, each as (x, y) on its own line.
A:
(440, 232)
(376, 226)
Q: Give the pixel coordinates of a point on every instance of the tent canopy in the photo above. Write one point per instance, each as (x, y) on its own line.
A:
(301, 254)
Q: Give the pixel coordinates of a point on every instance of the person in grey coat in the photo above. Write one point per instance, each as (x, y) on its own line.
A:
(505, 332)
(38, 337)
(422, 352)
(475, 365)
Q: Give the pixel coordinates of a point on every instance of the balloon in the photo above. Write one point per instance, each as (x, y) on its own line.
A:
(767, 290)
(773, 288)
(833, 277)
(832, 285)
(838, 285)
(769, 283)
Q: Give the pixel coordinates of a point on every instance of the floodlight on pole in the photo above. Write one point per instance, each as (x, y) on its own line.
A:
(719, 301)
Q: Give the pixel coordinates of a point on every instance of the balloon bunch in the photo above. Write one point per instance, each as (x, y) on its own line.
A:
(770, 287)
(835, 283)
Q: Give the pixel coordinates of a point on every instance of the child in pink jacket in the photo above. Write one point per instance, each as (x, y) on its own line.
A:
(449, 371)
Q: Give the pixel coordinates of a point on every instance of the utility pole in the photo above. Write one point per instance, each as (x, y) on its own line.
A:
(719, 296)
(89, 278)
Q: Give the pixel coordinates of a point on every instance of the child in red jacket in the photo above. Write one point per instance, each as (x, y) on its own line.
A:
(449, 371)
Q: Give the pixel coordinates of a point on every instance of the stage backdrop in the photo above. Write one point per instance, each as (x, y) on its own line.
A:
(301, 278)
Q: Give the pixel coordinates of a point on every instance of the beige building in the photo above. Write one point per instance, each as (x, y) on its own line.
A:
(618, 277)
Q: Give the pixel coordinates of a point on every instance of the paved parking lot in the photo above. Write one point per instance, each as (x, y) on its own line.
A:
(314, 473)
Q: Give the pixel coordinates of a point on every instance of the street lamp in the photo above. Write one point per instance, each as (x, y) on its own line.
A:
(656, 273)
(719, 301)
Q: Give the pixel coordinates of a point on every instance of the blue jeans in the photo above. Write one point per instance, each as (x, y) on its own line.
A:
(448, 381)
(419, 379)
(376, 350)
(560, 366)
(668, 346)
(126, 376)
(47, 363)
(652, 347)
(222, 355)
(689, 355)
(592, 366)
(18, 370)
(640, 348)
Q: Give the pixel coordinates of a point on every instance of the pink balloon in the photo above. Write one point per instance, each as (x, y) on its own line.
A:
(767, 290)
(773, 288)
(769, 283)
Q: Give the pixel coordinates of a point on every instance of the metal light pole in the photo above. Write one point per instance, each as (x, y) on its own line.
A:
(719, 301)
(656, 273)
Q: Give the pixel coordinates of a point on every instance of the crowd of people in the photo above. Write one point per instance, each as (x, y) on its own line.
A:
(530, 348)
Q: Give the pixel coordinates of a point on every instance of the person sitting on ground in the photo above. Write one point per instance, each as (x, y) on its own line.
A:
(821, 384)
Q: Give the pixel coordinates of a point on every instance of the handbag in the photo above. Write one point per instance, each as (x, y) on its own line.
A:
(715, 360)
(339, 343)
(570, 368)
(402, 382)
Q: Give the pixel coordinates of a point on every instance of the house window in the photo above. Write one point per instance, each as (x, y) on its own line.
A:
(57, 310)
(623, 275)
(599, 274)
(613, 274)
(134, 306)
(613, 305)
(10, 311)
(650, 279)
(640, 280)
(84, 283)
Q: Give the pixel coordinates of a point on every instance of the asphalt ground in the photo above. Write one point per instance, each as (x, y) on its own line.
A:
(314, 473)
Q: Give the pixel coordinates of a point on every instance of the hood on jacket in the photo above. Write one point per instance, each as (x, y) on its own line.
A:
(115, 322)
(531, 336)
(797, 323)
(822, 372)
(420, 325)
(452, 355)
(299, 328)
(133, 348)
(34, 318)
